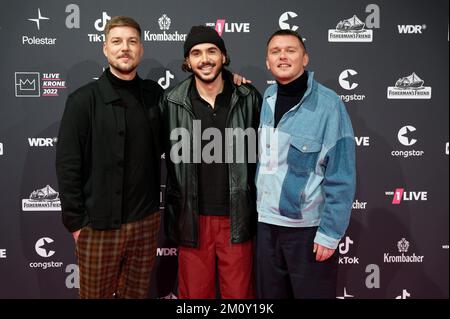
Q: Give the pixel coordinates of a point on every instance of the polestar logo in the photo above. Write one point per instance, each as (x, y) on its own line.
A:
(40, 248)
(346, 295)
(284, 18)
(345, 79)
(403, 135)
(39, 18)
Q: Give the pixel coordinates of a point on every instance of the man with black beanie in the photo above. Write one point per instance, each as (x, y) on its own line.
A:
(210, 201)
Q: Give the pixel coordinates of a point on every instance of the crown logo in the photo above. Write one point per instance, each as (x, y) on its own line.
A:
(27, 84)
(403, 245)
(164, 22)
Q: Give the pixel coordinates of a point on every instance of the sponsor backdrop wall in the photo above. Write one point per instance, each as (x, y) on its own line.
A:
(388, 60)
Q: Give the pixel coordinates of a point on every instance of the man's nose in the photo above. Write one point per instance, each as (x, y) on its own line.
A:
(125, 46)
(204, 56)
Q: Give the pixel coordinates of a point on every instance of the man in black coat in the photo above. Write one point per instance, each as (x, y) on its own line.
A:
(108, 171)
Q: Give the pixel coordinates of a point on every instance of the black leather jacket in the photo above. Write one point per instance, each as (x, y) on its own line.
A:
(181, 199)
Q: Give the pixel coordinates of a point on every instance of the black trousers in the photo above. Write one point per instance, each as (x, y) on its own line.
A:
(286, 266)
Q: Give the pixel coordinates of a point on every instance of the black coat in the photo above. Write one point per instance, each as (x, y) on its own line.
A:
(90, 153)
(181, 201)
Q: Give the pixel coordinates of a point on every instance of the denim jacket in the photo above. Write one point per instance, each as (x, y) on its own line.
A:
(306, 175)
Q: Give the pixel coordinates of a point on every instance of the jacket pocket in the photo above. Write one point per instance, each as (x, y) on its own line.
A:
(302, 155)
(301, 159)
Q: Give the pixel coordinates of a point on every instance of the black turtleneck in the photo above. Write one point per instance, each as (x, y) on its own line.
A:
(124, 86)
(140, 196)
(289, 95)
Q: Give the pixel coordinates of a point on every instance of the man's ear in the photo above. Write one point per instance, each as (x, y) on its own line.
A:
(305, 60)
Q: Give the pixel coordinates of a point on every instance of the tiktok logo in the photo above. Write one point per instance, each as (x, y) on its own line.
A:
(345, 247)
(100, 24)
(164, 82)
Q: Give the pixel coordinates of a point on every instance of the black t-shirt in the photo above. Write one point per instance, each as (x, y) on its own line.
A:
(214, 190)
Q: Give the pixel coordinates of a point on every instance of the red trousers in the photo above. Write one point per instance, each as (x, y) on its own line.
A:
(197, 266)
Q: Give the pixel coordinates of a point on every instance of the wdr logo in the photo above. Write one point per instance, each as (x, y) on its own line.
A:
(411, 28)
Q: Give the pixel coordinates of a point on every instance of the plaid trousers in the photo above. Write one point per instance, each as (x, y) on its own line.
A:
(118, 263)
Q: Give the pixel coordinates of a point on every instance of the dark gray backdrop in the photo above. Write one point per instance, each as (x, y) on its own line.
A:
(393, 248)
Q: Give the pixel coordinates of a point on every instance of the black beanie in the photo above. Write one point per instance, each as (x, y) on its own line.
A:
(203, 34)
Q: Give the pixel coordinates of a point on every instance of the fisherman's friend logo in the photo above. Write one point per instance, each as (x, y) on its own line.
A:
(354, 29)
(409, 87)
(350, 30)
(44, 199)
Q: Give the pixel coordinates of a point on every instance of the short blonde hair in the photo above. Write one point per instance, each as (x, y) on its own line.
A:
(122, 21)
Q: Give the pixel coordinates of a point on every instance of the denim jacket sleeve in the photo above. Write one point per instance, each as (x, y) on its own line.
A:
(339, 182)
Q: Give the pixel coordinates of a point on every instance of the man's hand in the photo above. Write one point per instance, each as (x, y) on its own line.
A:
(322, 252)
(75, 234)
(239, 79)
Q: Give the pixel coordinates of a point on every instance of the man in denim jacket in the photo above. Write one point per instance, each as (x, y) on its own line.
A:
(305, 179)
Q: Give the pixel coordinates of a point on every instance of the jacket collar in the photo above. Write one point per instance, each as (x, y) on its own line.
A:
(110, 95)
(305, 101)
(107, 91)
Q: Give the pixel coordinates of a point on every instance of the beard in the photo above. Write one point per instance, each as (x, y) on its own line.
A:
(207, 78)
(124, 68)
